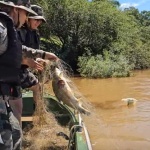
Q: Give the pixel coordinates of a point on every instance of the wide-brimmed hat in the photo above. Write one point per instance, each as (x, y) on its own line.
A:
(39, 12)
(21, 4)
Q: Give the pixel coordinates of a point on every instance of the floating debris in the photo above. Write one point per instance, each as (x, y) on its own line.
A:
(130, 101)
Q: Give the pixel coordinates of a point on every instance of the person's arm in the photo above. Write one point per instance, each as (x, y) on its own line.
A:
(34, 53)
(31, 53)
(50, 56)
(3, 38)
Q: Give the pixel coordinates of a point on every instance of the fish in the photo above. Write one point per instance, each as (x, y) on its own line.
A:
(64, 93)
(130, 101)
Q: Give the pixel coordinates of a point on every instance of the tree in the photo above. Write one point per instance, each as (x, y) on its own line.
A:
(77, 28)
(115, 3)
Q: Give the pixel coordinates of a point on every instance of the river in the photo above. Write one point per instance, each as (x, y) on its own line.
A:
(113, 125)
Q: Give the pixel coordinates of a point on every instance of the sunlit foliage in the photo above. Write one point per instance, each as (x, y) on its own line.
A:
(77, 30)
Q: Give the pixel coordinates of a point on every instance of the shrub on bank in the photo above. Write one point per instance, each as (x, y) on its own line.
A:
(104, 67)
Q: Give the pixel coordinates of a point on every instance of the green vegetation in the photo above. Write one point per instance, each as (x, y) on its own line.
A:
(97, 38)
(104, 66)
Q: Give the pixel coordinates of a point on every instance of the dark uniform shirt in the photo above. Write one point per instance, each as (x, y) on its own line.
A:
(27, 52)
(29, 38)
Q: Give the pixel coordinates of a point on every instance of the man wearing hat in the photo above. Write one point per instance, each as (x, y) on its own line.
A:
(13, 14)
(29, 36)
(29, 32)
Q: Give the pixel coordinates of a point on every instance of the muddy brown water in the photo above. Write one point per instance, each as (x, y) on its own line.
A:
(114, 125)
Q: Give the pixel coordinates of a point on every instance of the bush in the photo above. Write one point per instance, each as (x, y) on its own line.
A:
(104, 67)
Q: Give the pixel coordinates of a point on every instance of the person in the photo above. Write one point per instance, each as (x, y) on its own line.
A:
(29, 36)
(28, 79)
(13, 14)
(28, 33)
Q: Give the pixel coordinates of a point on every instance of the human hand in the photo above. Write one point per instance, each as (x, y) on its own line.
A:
(33, 64)
(42, 61)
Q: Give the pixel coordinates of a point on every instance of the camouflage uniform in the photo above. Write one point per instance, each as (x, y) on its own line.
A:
(30, 38)
(8, 123)
(27, 78)
(10, 130)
